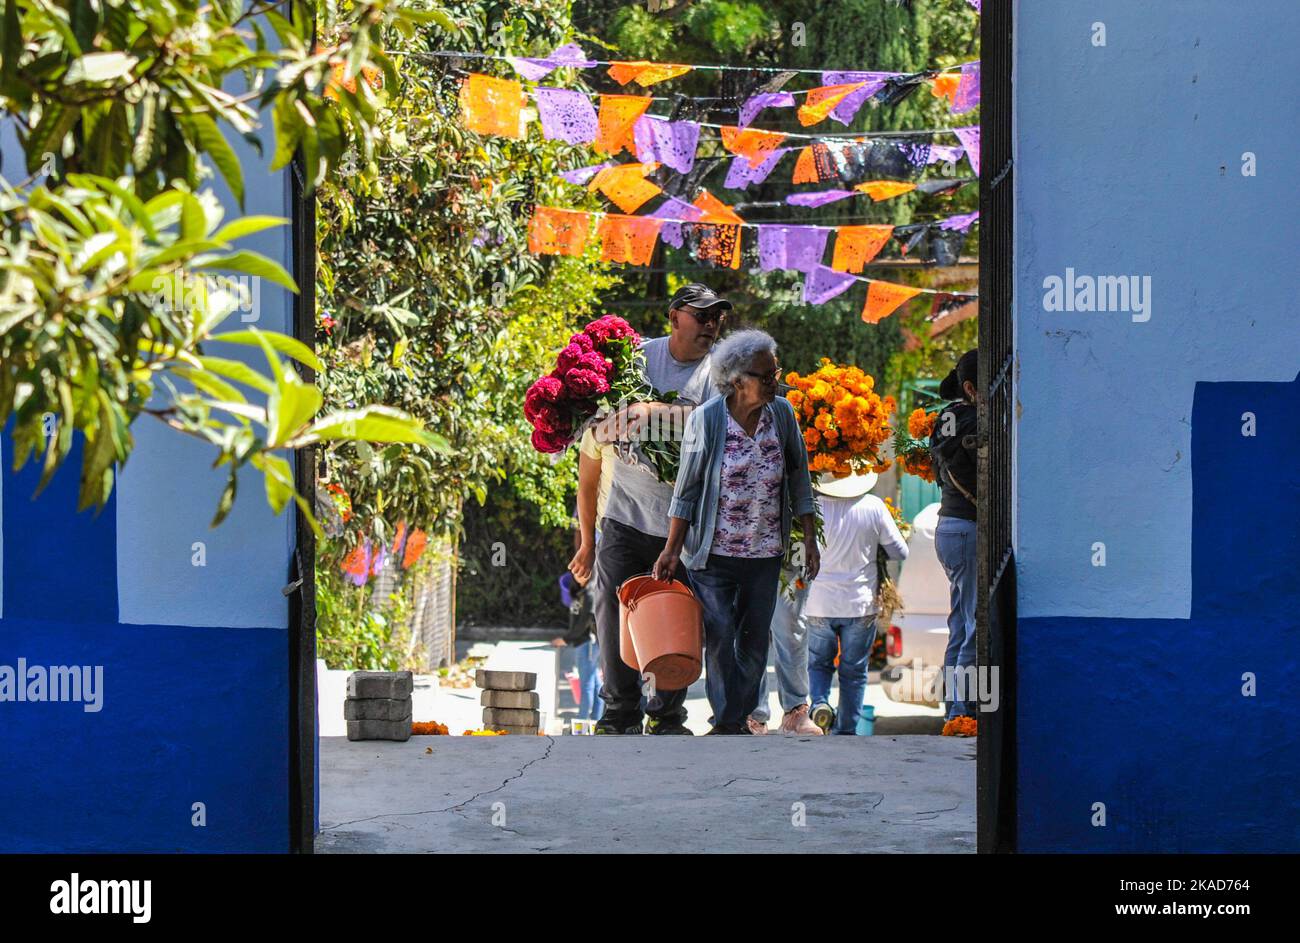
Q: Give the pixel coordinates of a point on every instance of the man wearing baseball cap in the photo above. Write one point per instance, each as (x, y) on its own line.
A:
(635, 525)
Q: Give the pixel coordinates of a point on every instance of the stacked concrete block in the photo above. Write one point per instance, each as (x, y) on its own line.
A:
(378, 705)
(509, 701)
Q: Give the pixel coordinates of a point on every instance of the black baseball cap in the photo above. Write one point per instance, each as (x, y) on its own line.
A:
(698, 296)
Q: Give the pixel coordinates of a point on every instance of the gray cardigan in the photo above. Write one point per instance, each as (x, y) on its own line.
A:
(695, 496)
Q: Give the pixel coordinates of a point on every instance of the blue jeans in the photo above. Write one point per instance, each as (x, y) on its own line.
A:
(853, 637)
(789, 650)
(587, 659)
(738, 595)
(954, 544)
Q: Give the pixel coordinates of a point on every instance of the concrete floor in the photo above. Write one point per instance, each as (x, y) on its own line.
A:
(641, 794)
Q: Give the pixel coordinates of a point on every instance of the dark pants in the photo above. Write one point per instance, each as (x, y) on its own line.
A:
(624, 552)
(738, 595)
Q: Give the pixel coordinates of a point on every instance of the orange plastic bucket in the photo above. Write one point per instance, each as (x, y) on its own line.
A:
(663, 626)
(632, 587)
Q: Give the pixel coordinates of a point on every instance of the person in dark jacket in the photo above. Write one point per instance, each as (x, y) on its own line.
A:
(953, 448)
(581, 637)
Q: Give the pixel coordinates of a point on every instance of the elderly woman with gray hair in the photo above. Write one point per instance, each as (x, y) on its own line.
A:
(743, 475)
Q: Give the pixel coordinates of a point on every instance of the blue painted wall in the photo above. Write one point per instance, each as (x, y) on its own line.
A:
(1129, 161)
(195, 659)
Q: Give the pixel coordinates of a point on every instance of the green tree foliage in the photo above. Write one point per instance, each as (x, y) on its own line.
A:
(428, 297)
(122, 109)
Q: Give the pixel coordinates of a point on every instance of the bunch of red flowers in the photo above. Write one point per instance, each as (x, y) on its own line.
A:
(590, 372)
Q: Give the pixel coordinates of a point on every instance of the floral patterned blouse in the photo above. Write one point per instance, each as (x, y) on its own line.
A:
(749, 500)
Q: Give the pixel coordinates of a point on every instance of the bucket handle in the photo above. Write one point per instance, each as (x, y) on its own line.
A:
(682, 583)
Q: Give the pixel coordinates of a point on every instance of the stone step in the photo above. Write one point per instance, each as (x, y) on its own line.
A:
(377, 708)
(379, 729)
(515, 730)
(526, 700)
(505, 680)
(389, 684)
(494, 716)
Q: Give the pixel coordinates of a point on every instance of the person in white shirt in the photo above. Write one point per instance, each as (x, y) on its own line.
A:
(840, 612)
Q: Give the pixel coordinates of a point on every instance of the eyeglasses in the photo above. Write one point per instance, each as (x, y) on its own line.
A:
(766, 378)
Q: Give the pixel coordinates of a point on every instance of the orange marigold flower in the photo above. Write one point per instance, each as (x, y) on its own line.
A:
(920, 424)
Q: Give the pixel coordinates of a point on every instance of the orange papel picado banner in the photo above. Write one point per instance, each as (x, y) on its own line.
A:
(884, 189)
(492, 106)
(554, 231)
(629, 239)
(752, 144)
(805, 167)
(715, 211)
(855, 246)
(645, 73)
(821, 101)
(945, 86)
(618, 115)
(626, 186)
(883, 298)
(719, 244)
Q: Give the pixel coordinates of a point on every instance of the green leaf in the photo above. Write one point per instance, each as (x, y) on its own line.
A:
(104, 448)
(238, 371)
(194, 222)
(145, 148)
(297, 403)
(289, 128)
(278, 475)
(95, 250)
(111, 141)
(165, 208)
(242, 410)
(218, 148)
(253, 264)
(212, 385)
(246, 226)
(436, 17)
(10, 318)
(226, 501)
(100, 67)
(129, 199)
(357, 55)
(272, 361)
(185, 250)
(371, 424)
(11, 44)
(47, 137)
(57, 19)
(289, 346)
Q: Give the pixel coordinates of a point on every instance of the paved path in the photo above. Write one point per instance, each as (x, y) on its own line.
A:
(642, 794)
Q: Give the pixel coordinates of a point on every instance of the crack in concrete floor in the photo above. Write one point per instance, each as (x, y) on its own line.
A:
(550, 744)
(602, 798)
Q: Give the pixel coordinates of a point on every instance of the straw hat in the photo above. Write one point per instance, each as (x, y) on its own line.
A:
(850, 486)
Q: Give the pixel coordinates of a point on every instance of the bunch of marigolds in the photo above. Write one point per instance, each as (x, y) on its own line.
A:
(912, 449)
(844, 420)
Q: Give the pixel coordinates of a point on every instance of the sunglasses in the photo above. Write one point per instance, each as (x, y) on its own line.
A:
(766, 378)
(708, 315)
